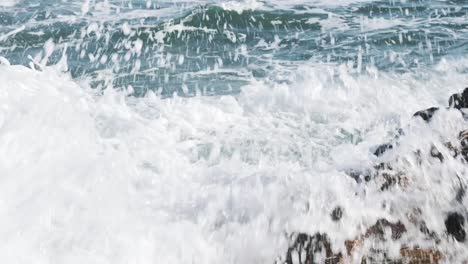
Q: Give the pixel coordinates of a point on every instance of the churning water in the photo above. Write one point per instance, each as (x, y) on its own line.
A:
(170, 131)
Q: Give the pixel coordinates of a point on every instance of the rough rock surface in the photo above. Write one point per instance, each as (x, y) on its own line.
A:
(317, 248)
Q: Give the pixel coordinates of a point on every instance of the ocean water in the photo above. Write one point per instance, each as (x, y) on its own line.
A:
(210, 131)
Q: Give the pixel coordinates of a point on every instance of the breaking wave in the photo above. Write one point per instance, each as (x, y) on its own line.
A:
(207, 132)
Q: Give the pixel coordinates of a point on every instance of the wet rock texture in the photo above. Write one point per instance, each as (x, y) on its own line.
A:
(308, 249)
(317, 248)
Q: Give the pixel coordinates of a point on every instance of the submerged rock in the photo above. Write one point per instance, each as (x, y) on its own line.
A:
(427, 114)
(435, 153)
(455, 225)
(456, 101)
(461, 194)
(337, 214)
(310, 249)
(317, 249)
(378, 229)
(390, 179)
(459, 101)
(382, 149)
(463, 137)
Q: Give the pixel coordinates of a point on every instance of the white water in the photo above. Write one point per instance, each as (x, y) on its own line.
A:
(8, 3)
(88, 178)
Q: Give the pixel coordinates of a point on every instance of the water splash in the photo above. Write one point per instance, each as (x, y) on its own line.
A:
(110, 152)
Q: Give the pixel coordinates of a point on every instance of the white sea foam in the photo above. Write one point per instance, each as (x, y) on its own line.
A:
(243, 5)
(240, 6)
(370, 24)
(89, 178)
(281, 4)
(8, 3)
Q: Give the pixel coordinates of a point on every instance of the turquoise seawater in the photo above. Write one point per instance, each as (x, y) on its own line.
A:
(216, 47)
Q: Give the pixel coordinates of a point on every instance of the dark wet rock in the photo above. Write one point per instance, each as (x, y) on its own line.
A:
(382, 173)
(463, 137)
(383, 166)
(435, 153)
(456, 101)
(463, 151)
(418, 156)
(386, 176)
(358, 176)
(454, 151)
(337, 214)
(427, 114)
(455, 225)
(378, 230)
(393, 179)
(461, 193)
(367, 178)
(314, 249)
(459, 101)
(400, 132)
(415, 218)
(382, 149)
(428, 233)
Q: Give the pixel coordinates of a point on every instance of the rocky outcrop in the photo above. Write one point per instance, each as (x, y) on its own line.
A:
(455, 225)
(308, 249)
(317, 248)
(427, 114)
